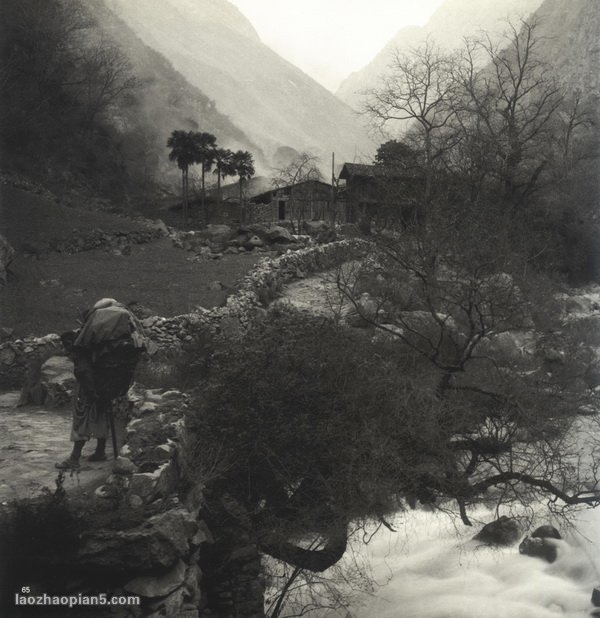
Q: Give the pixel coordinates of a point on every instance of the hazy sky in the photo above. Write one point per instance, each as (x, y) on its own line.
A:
(328, 39)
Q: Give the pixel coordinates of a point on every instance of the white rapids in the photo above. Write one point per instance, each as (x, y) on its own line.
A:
(431, 568)
(435, 570)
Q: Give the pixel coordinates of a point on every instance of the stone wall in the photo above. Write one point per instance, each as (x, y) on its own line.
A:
(121, 242)
(17, 355)
(194, 557)
(157, 559)
(256, 290)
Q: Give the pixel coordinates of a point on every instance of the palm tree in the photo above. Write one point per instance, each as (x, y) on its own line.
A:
(242, 163)
(184, 151)
(223, 167)
(206, 144)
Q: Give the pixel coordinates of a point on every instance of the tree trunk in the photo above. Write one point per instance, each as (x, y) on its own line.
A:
(183, 196)
(187, 194)
(231, 565)
(242, 217)
(203, 199)
(312, 560)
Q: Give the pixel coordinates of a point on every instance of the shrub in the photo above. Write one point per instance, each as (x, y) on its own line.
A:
(36, 532)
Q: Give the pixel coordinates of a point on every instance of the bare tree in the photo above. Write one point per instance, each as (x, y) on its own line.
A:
(303, 168)
(509, 105)
(419, 96)
(452, 295)
(488, 116)
(329, 427)
(102, 77)
(293, 592)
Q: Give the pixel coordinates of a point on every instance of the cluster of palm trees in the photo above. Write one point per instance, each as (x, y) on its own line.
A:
(198, 148)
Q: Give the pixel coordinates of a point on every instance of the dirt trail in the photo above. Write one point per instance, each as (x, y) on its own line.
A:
(318, 294)
(32, 440)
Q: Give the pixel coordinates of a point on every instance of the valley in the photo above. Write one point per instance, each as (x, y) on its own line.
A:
(338, 354)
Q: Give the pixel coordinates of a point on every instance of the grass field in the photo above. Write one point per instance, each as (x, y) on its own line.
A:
(46, 295)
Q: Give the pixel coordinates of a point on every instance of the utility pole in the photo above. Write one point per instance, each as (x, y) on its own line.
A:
(332, 203)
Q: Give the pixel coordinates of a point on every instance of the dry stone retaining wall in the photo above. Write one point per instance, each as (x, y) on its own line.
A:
(161, 558)
(256, 290)
(19, 354)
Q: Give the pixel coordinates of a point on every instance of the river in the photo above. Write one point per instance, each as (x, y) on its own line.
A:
(435, 570)
(431, 568)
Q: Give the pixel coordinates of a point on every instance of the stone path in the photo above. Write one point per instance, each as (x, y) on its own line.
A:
(317, 294)
(32, 440)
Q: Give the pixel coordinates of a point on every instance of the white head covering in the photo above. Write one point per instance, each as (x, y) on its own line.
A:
(105, 302)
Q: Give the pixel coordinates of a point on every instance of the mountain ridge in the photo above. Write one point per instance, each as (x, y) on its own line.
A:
(446, 28)
(163, 101)
(570, 42)
(271, 100)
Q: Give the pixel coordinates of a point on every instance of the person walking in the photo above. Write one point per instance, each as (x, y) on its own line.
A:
(105, 352)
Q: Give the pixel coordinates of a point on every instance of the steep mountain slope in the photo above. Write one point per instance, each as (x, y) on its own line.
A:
(569, 34)
(162, 102)
(217, 50)
(453, 21)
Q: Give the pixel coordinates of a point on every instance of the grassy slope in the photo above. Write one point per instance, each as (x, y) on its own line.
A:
(45, 295)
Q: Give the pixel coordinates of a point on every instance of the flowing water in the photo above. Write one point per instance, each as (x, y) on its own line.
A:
(435, 570)
(431, 568)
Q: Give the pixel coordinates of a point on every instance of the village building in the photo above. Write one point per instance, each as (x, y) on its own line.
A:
(310, 200)
(360, 193)
(376, 193)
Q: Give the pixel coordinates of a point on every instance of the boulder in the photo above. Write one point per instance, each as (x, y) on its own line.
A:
(504, 531)
(217, 230)
(168, 478)
(154, 546)
(193, 578)
(143, 484)
(546, 532)
(217, 237)
(151, 586)
(216, 246)
(578, 304)
(256, 229)
(139, 550)
(366, 311)
(321, 231)
(57, 380)
(280, 235)
(240, 240)
(315, 227)
(173, 604)
(514, 347)
(253, 242)
(159, 227)
(544, 548)
(124, 466)
(178, 526)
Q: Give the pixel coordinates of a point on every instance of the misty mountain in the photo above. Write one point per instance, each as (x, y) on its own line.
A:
(162, 101)
(447, 27)
(218, 51)
(569, 41)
